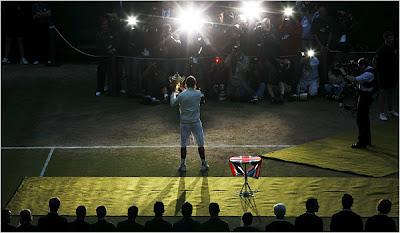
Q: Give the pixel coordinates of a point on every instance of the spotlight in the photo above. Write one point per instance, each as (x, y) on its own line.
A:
(251, 10)
(190, 20)
(132, 21)
(310, 53)
(288, 12)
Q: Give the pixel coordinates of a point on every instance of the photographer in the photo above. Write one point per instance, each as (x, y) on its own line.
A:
(14, 14)
(254, 86)
(155, 84)
(266, 41)
(106, 44)
(170, 47)
(278, 79)
(41, 14)
(336, 82)
(322, 28)
(366, 86)
(238, 65)
(309, 82)
(387, 74)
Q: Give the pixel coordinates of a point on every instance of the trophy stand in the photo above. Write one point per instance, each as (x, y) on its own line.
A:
(246, 191)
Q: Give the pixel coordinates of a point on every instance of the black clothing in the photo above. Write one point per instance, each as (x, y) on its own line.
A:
(381, 223)
(246, 229)
(268, 46)
(103, 225)
(346, 220)
(53, 222)
(186, 225)
(40, 41)
(15, 18)
(7, 227)
(107, 43)
(79, 225)
(322, 27)
(214, 224)
(27, 227)
(364, 102)
(157, 224)
(103, 72)
(280, 226)
(363, 121)
(308, 222)
(387, 67)
(129, 225)
(41, 31)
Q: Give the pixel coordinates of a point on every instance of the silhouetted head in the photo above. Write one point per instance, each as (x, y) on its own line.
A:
(187, 209)
(362, 63)
(133, 212)
(190, 82)
(322, 11)
(5, 216)
(158, 208)
(25, 216)
(101, 212)
(54, 204)
(384, 206)
(247, 218)
(166, 29)
(81, 212)
(312, 205)
(213, 208)
(389, 38)
(280, 210)
(347, 201)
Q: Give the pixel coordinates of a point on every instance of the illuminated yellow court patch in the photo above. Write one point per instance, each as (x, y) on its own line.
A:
(335, 153)
(118, 193)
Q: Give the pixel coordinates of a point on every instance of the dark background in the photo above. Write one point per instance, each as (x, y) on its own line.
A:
(78, 21)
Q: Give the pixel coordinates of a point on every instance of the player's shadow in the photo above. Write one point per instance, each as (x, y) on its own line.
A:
(183, 191)
(202, 209)
(181, 196)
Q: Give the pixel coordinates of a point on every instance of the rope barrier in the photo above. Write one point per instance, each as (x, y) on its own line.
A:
(73, 47)
(180, 58)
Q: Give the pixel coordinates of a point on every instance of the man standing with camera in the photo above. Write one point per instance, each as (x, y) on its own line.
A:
(189, 109)
(366, 87)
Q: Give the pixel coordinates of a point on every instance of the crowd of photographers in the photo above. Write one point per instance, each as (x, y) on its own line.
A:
(284, 56)
(237, 59)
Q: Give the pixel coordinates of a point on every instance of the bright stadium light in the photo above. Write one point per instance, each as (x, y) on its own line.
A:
(251, 9)
(288, 12)
(132, 21)
(310, 53)
(191, 20)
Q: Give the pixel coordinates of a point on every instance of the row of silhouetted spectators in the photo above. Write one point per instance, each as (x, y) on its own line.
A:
(344, 220)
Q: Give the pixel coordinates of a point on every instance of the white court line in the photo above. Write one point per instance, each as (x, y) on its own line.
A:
(139, 146)
(47, 162)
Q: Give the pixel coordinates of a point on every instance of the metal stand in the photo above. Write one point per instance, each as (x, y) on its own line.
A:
(247, 190)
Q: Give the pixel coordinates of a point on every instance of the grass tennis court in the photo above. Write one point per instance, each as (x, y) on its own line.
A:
(55, 107)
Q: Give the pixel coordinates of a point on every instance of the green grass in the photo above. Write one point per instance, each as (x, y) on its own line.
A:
(335, 153)
(17, 164)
